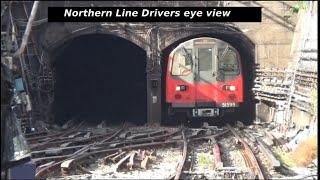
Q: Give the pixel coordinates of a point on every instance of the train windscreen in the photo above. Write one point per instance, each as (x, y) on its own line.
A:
(228, 61)
(209, 55)
(182, 60)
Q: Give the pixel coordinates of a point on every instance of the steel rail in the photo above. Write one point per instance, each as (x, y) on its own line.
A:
(184, 156)
(78, 158)
(248, 156)
(35, 134)
(49, 168)
(209, 137)
(104, 145)
(98, 149)
(59, 134)
(70, 140)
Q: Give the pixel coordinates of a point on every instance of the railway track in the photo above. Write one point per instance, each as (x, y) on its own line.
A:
(186, 170)
(197, 153)
(248, 156)
(63, 155)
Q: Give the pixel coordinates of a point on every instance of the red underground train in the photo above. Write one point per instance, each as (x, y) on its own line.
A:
(204, 79)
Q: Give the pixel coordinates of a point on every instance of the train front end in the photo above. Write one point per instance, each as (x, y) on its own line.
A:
(204, 79)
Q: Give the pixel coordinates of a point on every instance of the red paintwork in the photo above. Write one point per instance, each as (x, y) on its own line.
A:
(205, 92)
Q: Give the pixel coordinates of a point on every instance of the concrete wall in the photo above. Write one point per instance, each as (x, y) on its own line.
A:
(306, 53)
(274, 35)
(301, 118)
(304, 44)
(265, 113)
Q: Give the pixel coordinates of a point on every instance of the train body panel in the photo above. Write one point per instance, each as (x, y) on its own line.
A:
(203, 92)
(204, 73)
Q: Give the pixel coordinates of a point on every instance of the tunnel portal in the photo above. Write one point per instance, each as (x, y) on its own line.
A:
(100, 77)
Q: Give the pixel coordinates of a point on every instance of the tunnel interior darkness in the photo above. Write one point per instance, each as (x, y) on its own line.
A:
(246, 49)
(100, 77)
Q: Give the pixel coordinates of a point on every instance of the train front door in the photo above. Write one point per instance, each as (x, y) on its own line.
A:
(205, 73)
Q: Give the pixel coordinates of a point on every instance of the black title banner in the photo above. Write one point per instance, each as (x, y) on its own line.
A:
(154, 14)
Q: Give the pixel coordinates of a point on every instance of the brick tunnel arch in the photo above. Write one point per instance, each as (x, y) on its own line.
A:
(99, 77)
(238, 40)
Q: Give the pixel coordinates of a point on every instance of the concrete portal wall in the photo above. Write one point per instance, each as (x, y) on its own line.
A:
(264, 112)
(274, 35)
(301, 118)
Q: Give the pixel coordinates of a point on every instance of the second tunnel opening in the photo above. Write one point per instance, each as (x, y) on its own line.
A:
(100, 77)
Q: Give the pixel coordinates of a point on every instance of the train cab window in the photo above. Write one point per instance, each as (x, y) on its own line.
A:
(182, 62)
(228, 61)
(205, 59)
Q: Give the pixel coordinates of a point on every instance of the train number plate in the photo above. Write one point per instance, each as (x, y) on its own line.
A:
(226, 105)
(205, 112)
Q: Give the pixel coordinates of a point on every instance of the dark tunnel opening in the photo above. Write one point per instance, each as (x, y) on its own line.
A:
(246, 49)
(100, 77)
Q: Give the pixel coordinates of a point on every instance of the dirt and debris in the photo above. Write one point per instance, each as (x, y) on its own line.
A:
(231, 155)
(295, 149)
(208, 157)
(161, 165)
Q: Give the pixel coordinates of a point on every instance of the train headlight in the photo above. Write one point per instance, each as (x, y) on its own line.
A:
(181, 88)
(232, 88)
(229, 88)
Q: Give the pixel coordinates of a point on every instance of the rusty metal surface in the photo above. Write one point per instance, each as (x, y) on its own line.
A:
(82, 157)
(84, 149)
(81, 153)
(271, 158)
(248, 156)
(120, 152)
(216, 152)
(38, 134)
(184, 156)
(104, 145)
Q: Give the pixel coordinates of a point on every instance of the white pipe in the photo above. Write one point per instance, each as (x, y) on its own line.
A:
(28, 30)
